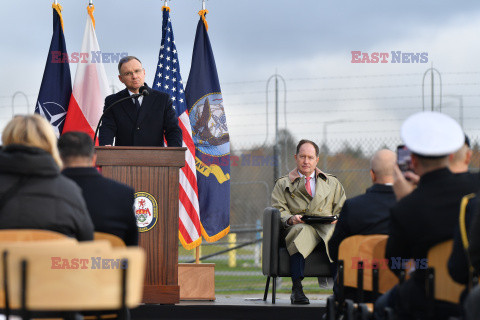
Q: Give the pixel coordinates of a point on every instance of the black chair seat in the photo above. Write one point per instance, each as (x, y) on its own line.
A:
(275, 257)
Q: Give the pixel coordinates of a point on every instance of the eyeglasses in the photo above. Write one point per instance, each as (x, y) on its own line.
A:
(129, 74)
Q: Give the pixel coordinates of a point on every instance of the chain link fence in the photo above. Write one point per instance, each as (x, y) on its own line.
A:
(252, 174)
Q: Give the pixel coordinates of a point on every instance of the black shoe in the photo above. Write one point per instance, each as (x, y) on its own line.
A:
(298, 297)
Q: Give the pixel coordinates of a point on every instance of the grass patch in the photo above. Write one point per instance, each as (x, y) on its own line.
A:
(245, 277)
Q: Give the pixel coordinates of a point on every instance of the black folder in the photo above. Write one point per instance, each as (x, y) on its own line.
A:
(318, 219)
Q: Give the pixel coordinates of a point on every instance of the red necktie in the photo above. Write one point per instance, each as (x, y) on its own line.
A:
(307, 185)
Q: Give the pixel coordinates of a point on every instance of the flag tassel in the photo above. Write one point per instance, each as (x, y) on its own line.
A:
(90, 10)
(58, 8)
(202, 14)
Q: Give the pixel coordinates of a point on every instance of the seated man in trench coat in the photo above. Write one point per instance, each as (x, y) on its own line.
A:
(306, 190)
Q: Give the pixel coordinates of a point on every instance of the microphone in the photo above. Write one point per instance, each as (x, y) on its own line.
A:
(143, 92)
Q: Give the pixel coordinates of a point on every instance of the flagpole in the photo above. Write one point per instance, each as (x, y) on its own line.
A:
(197, 249)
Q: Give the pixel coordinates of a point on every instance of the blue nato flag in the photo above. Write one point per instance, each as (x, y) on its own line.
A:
(56, 87)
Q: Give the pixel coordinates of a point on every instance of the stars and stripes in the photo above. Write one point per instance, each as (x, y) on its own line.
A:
(168, 80)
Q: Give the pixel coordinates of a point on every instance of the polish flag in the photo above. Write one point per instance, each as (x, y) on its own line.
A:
(90, 86)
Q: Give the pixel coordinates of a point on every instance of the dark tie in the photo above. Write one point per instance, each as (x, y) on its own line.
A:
(137, 104)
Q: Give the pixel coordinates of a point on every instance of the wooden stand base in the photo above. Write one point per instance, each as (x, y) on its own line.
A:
(196, 281)
(160, 294)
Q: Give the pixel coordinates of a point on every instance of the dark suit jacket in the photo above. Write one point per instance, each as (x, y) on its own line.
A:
(109, 203)
(368, 213)
(427, 216)
(419, 221)
(147, 127)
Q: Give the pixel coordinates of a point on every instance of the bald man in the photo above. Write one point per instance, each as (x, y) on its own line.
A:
(368, 213)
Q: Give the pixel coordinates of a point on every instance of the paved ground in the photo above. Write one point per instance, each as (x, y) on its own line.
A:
(282, 299)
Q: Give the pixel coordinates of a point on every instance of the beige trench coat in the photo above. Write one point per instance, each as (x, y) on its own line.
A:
(290, 197)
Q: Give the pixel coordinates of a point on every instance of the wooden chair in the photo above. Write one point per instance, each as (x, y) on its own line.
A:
(362, 266)
(106, 279)
(348, 255)
(12, 235)
(49, 246)
(114, 240)
(439, 285)
(379, 278)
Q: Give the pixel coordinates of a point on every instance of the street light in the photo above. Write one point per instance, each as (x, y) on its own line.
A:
(460, 102)
(431, 70)
(13, 100)
(325, 125)
(276, 157)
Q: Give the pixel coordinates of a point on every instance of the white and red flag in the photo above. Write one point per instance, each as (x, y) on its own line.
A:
(90, 86)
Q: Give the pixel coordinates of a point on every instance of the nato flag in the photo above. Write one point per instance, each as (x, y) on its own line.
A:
(56, 88)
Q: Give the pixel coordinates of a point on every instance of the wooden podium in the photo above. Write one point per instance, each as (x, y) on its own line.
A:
(154, 171)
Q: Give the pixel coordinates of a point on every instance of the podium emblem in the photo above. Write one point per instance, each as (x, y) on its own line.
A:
(146, 211)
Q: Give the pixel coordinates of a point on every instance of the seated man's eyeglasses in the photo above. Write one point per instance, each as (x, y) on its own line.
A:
(129, 74)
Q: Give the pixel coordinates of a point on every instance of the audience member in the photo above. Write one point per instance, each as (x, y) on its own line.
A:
(306, 190)
(33, 193)
(368, 213)
(109, 203)
(427, 215)
(458, 163)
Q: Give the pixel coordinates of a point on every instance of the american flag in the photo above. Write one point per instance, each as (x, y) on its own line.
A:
(168, 80)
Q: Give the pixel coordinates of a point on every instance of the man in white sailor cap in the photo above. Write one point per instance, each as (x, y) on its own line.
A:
(426, 216)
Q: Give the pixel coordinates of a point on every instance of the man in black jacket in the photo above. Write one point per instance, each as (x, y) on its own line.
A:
(145, 121)
(109, 203)
(368, 213)
(426, 216)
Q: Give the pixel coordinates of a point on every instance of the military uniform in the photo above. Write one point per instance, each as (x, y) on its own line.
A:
(290, 197)
(427, 216)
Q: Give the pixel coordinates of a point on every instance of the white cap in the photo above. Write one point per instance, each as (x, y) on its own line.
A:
(432, 134)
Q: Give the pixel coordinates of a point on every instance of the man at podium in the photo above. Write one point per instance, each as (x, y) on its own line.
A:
(145, 120)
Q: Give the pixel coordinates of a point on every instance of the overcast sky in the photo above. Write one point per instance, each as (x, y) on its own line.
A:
(308, 42)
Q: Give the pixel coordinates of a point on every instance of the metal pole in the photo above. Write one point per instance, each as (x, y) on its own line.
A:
(276, 167)
(324, 156)
(432, 85)
(461, 111)
(432, 77)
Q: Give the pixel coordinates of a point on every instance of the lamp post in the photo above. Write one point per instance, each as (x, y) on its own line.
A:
(460, 105)
(276, 153)
(325, 125)
(13, 100)
(432, 70)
